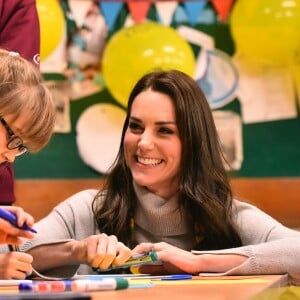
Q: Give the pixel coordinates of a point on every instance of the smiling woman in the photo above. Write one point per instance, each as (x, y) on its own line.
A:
(167, 191)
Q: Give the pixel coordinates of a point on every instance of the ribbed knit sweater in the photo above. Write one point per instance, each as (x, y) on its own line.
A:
(271, 247)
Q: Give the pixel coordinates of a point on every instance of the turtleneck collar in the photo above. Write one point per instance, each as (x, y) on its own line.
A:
(158, 216)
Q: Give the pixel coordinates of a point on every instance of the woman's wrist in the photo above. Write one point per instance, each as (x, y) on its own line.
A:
(75, 252)
(219, 263)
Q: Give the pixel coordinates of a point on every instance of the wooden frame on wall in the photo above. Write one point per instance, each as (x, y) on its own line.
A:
(279, 197)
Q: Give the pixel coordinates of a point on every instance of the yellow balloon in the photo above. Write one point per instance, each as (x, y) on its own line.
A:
(266, 30)
(52, 25)
(134, 51)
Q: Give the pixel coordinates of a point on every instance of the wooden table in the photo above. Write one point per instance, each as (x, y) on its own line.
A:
(211, 288)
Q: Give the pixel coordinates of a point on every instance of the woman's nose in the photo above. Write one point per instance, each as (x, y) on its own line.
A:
(146, 141)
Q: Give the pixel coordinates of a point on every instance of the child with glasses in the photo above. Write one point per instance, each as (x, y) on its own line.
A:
(27, 116)
(19, 31)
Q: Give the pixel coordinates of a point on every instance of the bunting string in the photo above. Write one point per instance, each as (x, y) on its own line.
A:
(168, 11)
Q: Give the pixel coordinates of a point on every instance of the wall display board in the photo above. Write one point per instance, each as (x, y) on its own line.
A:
(271, 148)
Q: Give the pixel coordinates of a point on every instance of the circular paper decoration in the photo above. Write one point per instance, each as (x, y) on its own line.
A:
(99, 130)
(220, 78)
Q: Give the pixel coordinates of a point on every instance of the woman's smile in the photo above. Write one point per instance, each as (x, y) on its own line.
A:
(148, 161)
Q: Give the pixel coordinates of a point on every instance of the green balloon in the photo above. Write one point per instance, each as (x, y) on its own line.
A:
(134, 51)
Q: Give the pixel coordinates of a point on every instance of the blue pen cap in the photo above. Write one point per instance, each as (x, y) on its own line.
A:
(24, 286)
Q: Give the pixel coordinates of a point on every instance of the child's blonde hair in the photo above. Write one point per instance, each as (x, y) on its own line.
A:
(23, 91)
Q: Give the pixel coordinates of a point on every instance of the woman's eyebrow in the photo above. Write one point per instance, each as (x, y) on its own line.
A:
(156, 123)
(165, 123)
(135, 119)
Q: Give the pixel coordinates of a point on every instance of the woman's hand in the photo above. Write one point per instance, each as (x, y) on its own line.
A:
(15, 265)
(101, 251)
(98, 251)
(175, 260)
(10, 234)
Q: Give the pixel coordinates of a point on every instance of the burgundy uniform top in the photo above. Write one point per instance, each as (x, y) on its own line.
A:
(19, 32)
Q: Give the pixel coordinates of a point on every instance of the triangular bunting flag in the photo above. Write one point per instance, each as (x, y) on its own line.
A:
(193, 10)
(180, 15)
(138, 9)
(110, 11)
(79, 10)
(222, 8)
(165, 10)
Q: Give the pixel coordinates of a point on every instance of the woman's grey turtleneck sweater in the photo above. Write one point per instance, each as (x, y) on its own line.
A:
(271, 247)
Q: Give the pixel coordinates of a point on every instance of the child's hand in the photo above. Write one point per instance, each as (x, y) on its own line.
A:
(9, 234)
(15, 265)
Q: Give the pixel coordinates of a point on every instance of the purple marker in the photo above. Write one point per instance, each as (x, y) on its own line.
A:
(12, 219)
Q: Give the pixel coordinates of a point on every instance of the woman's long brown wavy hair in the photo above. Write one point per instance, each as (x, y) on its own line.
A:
(204, 190)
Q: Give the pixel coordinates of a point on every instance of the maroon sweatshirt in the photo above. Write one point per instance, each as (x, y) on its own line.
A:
(19, 32)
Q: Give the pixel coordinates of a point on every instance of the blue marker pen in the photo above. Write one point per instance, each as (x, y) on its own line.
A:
(12, 219)
(177, 277)
(161, 277)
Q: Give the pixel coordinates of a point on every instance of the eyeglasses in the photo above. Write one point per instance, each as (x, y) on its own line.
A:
(14, 141)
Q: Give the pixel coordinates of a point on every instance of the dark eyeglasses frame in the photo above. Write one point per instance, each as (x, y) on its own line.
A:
(14, 141)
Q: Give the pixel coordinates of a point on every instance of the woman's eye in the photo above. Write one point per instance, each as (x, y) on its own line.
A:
(134, 126)
(166, 130)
